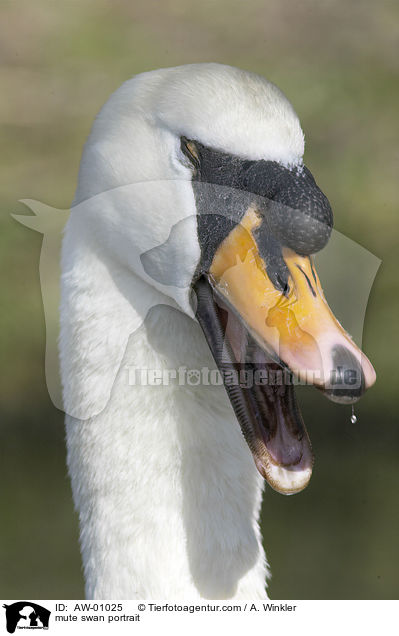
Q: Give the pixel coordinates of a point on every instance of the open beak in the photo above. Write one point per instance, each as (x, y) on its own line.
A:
(276, 338)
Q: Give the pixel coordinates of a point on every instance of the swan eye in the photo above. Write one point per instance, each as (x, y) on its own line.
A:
(190, 150)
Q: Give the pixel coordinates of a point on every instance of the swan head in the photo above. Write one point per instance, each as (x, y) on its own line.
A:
(213, 207)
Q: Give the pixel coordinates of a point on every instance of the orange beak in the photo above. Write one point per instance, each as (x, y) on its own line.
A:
(297, 327)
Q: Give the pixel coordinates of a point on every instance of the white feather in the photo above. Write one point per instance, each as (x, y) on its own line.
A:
(166, 488)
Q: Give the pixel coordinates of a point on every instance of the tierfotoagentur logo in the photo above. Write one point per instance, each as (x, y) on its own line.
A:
(243, 377)
(347, 269)
(26, 615)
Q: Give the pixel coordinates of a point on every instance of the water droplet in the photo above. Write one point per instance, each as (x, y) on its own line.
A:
(353, 416)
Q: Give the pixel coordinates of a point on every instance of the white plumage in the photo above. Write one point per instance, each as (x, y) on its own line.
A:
(166, 488)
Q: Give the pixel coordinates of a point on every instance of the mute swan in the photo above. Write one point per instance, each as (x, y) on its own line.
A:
(190, 242)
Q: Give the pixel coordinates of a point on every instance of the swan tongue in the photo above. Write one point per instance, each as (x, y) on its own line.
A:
(261, 393)
(281, 446)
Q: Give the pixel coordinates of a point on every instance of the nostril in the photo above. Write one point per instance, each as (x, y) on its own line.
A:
(347, 382)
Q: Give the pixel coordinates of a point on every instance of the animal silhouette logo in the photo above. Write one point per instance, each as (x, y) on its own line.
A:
(347, 271)
(26, 615)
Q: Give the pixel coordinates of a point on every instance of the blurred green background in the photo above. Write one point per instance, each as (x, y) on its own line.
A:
(338, 63)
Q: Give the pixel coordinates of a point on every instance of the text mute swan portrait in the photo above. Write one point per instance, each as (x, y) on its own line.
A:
(189, 246)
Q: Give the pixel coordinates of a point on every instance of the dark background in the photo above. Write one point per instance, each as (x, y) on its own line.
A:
(338, 62)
